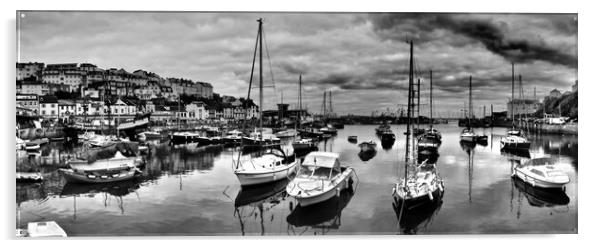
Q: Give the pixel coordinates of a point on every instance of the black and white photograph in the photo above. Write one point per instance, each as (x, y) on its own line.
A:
(283, 123)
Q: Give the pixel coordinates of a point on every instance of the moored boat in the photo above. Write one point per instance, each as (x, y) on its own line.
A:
(320, 177)
(367, 146)
(514, 140)
(44, 229)
(99, 176)
(542, 173)
(352, 138)
(272, 166)
(24, 177)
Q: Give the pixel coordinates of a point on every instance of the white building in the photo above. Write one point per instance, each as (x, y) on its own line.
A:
(72, 78)
(197, 111)
(66, 108)
(49, 106)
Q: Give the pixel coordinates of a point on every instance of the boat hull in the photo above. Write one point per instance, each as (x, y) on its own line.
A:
(343, 184)
(109, 177)
(121, 163)
(515, 145)
(250, 178)
(535, 182)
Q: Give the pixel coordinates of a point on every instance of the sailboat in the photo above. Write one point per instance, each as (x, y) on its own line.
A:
(468, 135)
(431, 140)
(275, 164)
(421, 182)
(303, 145)
(514, 139)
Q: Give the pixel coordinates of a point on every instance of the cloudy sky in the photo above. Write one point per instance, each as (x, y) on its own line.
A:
(361, 57)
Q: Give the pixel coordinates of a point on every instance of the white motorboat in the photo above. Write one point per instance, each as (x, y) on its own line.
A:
(267, 168)
(118, 161)
(29, 177)
(541, 172)
(320, 178)
(102, 140)
(232, 137)
(42, 230)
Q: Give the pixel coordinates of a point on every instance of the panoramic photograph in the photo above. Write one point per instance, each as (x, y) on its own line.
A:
(134, 123)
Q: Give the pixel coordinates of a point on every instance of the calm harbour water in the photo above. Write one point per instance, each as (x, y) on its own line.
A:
(194, 192)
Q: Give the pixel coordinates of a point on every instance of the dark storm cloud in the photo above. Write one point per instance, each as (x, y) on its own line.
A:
(403, 27)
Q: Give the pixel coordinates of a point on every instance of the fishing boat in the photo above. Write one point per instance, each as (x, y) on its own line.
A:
(309, 132)
(421, 183)
(352, 138)
(320, 177)
(367, 146)
(542, 173)
(274, 164)
(430, 141)
(514, 138)
(387, 139)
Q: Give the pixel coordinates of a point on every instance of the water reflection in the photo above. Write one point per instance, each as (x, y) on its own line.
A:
(322, 217)
(366, 155)
(413, 220)
(182, 192)
(257, 201)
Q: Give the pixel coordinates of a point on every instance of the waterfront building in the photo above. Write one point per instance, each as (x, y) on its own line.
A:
(196, 111)
(523, 107)
(31, 69)
(66, 108)
(29, 101)
(49, 107)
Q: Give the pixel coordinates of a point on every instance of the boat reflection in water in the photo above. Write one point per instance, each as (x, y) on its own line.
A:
(413, 220)
(323, 216)
(516, 154)
(122, 188)
(541, 197)
(255, 200)
(366, 155)
(430, 158)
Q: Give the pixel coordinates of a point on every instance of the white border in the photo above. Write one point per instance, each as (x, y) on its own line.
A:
(589, 42)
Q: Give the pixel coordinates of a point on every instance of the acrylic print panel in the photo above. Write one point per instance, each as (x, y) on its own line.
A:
(148, 123)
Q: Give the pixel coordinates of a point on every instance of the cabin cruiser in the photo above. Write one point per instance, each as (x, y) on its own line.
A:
(271, 166)
(320, 178)
(328, 129)
(542, 173)
(514, 140)
(304, 145)
(43, 229)
(430, 141)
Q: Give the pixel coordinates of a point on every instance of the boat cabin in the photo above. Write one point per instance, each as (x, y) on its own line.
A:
(320, 165)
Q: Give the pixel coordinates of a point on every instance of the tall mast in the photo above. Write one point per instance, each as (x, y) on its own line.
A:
(330, 103)
(512, 99)
(418, 106)
(260, 79)
(469, 100)
(300, 105)
(431, 103)
(409, 130)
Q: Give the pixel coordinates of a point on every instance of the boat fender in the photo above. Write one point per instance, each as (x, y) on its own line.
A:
(440, 186)
(430, 195)
(338, 192)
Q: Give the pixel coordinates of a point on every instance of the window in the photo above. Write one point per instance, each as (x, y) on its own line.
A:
(52, 112)
(43, 112)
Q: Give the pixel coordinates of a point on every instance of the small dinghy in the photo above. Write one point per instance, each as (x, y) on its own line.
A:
(290, 133)
(320, 178)
(542, 173)
(304, 146)
(352, 139)
(272, 166)
(24, 177)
